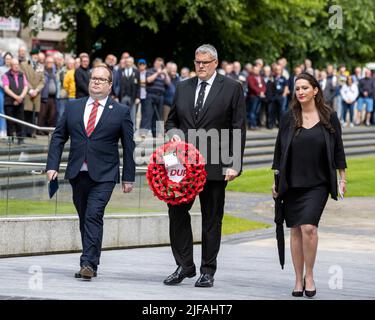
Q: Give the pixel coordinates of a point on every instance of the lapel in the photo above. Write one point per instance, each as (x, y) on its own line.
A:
(81, 115)
(216, 88)
(104, 116)
(191, 88)
(328, 143)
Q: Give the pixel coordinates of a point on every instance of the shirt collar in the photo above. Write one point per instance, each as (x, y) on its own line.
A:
(102, 102)
(209, 81)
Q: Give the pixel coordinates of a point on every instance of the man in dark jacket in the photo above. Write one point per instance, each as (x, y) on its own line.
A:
(82, 77)
(127, 87)
(366, 95)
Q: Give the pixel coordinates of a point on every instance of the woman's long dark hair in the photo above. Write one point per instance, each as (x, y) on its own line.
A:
(324, 110)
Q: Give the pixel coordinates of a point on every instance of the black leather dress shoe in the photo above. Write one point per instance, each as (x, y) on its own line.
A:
(85, 273)
(177, 276)
(205, 281)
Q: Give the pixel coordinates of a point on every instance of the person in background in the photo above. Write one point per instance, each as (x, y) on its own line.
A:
(15, 87)
(61, 93)
(267, 101)
(308, 67)
(357, 75)
(171, 89)
(185, 74)
(69, 83)
(256, 92)
(328, 86)
(280, 92)
(41, 58)
(142, 68)
(77, 63)
(157, 80)
(349, 94)
(240, 75)
(96, 62)
(22, 54)
(7, 58)
(47, 114)
(283, 63)
(111, 61)
(82, 76)
(34, 72)
(366, 96)
(127, 86)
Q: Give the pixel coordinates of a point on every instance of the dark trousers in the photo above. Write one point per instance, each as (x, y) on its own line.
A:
(212, 200)
(90, 199)
(47, 114)
(30, 118)
(153, 112)
(18, 113)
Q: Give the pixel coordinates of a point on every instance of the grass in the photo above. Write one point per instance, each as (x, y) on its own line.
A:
(31, 207)
(360, 176)
(232, 225)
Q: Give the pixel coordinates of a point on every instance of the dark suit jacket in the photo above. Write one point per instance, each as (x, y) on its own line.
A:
(82, 79)
(329, 91)
(132, 84)
(100, 149)
(335, 152)
(224, 108)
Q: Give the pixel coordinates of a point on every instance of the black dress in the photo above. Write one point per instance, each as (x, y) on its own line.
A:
(308, 178)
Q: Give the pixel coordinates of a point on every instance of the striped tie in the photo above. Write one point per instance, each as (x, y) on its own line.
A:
(91, 123)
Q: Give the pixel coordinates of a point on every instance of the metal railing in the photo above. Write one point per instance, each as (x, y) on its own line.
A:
(26, 124)
(9, 164)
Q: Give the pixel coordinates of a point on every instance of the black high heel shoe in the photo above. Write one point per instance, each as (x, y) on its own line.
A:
(299, 293)
(309, 293)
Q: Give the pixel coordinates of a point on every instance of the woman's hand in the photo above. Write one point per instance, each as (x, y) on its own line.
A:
(342, 184)
(274, 193)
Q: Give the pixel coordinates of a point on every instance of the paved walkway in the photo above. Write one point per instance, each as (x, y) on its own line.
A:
(248, 263)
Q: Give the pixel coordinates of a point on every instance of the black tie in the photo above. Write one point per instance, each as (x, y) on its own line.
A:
(199, 105)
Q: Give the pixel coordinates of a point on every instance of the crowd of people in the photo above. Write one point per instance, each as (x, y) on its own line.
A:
(35, 86)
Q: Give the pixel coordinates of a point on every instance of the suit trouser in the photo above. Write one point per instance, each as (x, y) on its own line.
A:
(47, 113)
(90, 199)
(18, 113)
(212, 200)
(128, 101)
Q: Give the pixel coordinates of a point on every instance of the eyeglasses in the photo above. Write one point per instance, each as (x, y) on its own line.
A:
(99, 80)
(205, 63)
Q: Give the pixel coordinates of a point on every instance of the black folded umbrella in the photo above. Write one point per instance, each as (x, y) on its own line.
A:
(279, 220)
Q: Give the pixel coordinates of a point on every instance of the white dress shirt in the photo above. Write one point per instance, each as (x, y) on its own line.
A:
(86, 116)
(208, 88)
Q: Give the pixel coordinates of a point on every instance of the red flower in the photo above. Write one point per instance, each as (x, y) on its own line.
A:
(189, 187)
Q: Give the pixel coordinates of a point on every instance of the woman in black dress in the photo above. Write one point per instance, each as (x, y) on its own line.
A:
(308, 153)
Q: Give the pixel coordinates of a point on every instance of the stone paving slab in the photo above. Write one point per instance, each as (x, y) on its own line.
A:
(248, 270)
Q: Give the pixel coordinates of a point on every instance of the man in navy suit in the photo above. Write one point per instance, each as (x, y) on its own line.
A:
(94, 125)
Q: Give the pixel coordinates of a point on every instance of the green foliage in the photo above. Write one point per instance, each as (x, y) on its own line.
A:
(243, 30)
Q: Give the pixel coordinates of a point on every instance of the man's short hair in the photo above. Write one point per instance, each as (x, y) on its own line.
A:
(207, 48)
(103, 65)
(83, 55)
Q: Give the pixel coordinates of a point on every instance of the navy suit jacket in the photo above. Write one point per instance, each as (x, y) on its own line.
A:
(100, 150)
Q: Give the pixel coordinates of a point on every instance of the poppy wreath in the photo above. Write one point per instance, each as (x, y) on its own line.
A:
(190, 186)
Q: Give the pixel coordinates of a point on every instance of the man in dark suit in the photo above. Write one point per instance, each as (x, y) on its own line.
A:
(82, 76)
(127, 87)
(214, 103)
(94, 125)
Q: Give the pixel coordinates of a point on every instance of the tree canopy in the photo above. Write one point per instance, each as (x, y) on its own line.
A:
(241, 30)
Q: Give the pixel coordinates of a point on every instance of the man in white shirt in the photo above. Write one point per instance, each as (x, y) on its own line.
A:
(94, 124)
